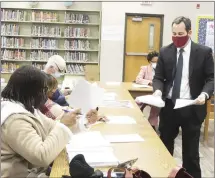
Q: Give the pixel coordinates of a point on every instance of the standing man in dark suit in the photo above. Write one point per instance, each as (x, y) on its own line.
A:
(184, 70)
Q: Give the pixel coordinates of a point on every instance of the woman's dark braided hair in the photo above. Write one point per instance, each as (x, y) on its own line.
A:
(151, 55)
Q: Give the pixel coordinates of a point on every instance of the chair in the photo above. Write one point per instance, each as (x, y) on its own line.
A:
(210, 108)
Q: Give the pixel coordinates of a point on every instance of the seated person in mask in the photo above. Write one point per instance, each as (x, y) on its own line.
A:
(55, 111)
(145, 77)
(147, 73)
(30, 141)
(56, 66)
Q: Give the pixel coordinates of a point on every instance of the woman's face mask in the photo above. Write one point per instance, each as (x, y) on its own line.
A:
(154, 65)
(56, 74)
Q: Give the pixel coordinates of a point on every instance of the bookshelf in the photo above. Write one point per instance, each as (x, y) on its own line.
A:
(32, 35)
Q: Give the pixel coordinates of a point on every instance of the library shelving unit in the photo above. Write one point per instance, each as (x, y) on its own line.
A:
(32, 35)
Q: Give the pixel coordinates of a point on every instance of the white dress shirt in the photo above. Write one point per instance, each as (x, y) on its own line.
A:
(185, 87)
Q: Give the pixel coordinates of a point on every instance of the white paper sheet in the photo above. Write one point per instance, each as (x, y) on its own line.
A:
(151, 100)
(97, 159)
(86, 96)
(90, 139)
(120, 120)
(109, 96)
(113, 83)
(180, 103)
(96, 150)
(124, 138)
(117, 104)
(140, 86)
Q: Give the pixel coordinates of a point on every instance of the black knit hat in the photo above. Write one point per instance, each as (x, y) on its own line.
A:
(78, 167)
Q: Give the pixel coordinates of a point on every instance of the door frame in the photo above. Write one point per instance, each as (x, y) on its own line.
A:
(161, 16)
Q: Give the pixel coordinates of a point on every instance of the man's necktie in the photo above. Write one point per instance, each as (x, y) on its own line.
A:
(178, 76)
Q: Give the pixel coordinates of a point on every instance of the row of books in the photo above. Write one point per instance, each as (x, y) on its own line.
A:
(75, 69)
(44, 43)
(10, 29)
(77, 44)
(76, 32)
(12, 42)
(43, 16)
(76, 18)
(9, 66)
(13, 54)
(43, 30)
(14, 15)
(77, 56)
(39, 66)
(41, 55)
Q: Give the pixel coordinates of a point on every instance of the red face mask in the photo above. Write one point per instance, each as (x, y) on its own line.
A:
(180, 41)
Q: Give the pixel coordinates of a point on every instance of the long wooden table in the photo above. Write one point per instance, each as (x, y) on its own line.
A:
(152, 155)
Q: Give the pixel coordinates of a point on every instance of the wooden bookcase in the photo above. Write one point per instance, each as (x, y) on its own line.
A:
(32, 35)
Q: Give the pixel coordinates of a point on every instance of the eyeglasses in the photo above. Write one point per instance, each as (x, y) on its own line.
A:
(58, 68)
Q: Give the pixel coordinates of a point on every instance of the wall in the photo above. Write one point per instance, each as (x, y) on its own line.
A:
(114, 14)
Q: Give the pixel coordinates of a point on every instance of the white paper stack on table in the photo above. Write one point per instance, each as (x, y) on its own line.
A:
(86, 96)
(140, 86)
(96, 150)
(120, 120)
(117, 104)
(151, 100)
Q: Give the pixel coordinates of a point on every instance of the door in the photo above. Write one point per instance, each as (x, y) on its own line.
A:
(143, 34)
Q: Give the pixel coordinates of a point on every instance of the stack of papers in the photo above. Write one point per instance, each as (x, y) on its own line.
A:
(96, 150)
(120, 120)
(110, 96)
(124, 138)
(86, 96)
(151, 100)
(140, 86)
(117, 104)
(113, 83)
(180, 103)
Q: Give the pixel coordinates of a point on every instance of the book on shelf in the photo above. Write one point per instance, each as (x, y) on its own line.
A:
(9, 67)
(12, 42)
(44, 30)
(77, 44)
(42, 55)
(76, 18)
(44, 43)
(75, 69)
(76, 32)
(10, 29)
(43, 16)
(77, 56)
(13, 54)
(13, 15)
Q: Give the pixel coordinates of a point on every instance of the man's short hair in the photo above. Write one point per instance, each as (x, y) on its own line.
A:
(187, 22)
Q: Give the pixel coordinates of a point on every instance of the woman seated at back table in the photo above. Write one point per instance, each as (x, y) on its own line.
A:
(145, 77)
(30, 141)
(55, 111)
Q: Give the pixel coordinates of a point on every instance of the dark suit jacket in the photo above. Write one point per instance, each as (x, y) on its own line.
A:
(201, 72)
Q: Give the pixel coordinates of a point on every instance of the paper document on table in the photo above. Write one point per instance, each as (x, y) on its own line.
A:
(151, 100)
(124, 138)
(87, 140)
(95, 148)
(117, 104)
(180, 103)
(97, 159)
(140, 86)
(120, 120)
(113, 83)
(86, 96)
(109, 96)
